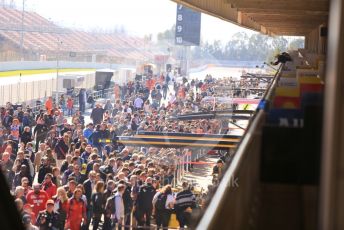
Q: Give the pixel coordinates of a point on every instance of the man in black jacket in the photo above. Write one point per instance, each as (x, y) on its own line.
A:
(48, 219)
(44, 169)
(97, 114)
(61, 149)
(144, 204)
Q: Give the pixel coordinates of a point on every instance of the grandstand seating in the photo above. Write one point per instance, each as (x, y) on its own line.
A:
(42, 36)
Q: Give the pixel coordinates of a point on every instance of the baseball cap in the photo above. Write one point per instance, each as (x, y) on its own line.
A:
(26, 206)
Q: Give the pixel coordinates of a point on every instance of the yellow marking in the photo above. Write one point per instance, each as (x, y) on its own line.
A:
(38, 71)
(188, 138)
(179, 143)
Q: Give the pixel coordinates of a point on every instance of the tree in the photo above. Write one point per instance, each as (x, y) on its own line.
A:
(167, 35)
(280, 43)
(296, 44)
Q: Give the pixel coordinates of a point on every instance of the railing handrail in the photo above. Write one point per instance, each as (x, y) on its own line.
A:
(212, 210)
(273, 84)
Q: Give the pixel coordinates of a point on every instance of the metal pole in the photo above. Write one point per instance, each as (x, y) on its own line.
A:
(187, 160)
(22, 34)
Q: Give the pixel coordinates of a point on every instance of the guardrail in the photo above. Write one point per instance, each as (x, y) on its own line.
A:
(235, 199)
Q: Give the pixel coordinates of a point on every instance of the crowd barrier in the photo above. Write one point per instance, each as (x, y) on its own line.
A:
(236, 197)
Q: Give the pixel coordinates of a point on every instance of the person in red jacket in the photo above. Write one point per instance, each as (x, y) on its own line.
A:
(77, 211)
(49, 105)
(49, 186)
(37, 198)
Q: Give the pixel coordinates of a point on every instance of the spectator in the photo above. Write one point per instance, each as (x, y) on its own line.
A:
(61, 149)
(76, 215)
(37, 198)
(98, 203)
(48, 219)
(70, 106)
(163, 203)
(49, 186)
(44, 169)
(185, 202)
(97, 114)
(49, 104)
(61, 207)
(144, 204)
(27, 222)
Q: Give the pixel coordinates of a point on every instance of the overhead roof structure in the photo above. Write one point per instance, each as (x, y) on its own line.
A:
(271, 17)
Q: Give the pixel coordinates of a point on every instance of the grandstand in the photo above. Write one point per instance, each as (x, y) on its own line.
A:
(43, 40)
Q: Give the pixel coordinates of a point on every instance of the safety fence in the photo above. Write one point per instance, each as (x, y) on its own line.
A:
(190, 157)
(37, 104)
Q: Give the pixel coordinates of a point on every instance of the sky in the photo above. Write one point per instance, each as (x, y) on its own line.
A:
(138, 17)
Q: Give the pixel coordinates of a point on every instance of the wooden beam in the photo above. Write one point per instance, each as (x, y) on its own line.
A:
(282, 12)
(288, 17)
(289, 32)
(286, 24)
(283, 5)
(298, 23)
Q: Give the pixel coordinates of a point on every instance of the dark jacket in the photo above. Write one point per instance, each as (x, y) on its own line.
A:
(98, 203)
(110, 207)
(145, 197)
(51, 220)
(78, 178)
(26, 137)
(185, 199)
(61, 149)
(88, 190)
(43, 170)
(96, 136)
(127, 200)
(97, 115)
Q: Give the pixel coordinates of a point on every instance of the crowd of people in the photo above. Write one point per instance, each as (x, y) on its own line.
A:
(64, 176)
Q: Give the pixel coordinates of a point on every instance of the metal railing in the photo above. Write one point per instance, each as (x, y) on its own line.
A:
(97, 95)
(236, 198)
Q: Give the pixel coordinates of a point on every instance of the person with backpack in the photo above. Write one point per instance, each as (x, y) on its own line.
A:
(163, 203)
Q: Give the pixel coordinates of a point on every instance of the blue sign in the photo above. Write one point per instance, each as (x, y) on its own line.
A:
(188, 27)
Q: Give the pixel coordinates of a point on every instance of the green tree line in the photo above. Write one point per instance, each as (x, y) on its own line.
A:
(240, 47)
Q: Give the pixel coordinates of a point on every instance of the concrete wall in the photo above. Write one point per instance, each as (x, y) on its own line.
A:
(26, 91)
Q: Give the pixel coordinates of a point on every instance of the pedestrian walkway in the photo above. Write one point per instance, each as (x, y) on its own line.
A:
(200, 175)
